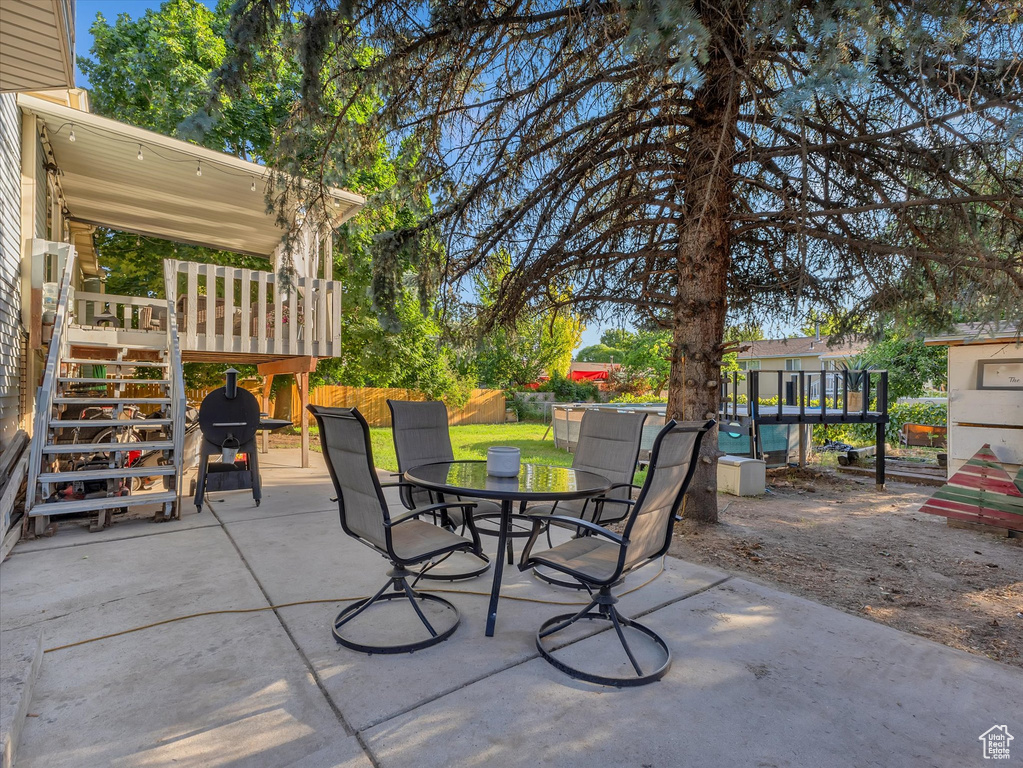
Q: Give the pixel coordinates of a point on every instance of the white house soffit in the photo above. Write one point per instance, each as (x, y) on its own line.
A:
(177, 191)
(36, 45)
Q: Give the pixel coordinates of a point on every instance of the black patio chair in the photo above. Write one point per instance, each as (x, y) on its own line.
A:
(608, 445)
(420, 431)
(403, 539)
(603, 559)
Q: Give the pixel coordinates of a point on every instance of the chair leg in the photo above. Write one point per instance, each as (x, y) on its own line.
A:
(419, 611)
(604, 601)
(398, 582)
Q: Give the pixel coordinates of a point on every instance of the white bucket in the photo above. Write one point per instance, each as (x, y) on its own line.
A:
(503, 461)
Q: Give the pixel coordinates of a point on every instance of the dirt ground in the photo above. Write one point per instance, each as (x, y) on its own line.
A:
(838, 541)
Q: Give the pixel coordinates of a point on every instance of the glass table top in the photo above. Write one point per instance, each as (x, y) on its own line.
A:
(537, 482)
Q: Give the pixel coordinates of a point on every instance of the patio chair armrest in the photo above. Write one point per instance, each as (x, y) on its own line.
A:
(625, 485)
(601, 500)
(398, 520)
(399, 484)
(576, 522)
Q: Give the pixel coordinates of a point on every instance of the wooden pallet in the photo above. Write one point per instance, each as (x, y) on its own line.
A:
(901, 472)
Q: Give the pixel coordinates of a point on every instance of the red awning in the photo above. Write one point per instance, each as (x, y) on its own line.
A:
(588, 376)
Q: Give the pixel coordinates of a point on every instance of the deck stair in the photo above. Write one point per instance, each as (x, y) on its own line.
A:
(103, 439)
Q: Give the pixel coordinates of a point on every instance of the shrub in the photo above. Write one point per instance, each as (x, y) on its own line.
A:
(899, 414)
(630, 398)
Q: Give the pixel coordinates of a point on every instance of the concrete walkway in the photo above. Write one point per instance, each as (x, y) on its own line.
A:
(759, 678)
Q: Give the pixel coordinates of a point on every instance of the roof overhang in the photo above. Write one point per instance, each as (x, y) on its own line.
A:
(37, 45)
(178, 191)
(974, 334)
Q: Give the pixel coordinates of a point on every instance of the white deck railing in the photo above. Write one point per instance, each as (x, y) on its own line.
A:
(129, 312)
(246, 311)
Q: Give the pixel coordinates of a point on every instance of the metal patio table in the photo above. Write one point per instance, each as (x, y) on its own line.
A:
(535, 482)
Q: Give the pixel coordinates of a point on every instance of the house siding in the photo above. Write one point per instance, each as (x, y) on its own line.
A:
(978, 417)
(11, 334)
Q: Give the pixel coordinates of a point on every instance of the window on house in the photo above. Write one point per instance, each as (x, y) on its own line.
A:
(793, 364)
(749, 365)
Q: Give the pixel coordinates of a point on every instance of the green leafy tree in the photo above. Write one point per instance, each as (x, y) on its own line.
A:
(600, 353)
(612, 347)
(686, 162)
(535, 346)
(833, 324)
(154, 72)
(913, 367)
(649, 357)
(744, 332)
(617, 338)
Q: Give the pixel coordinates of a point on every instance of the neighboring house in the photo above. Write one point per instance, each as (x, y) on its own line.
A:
(811, 353)
(985, 394)
(65, 171)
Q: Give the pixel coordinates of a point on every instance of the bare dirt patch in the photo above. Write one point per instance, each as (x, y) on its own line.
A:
(840, 542)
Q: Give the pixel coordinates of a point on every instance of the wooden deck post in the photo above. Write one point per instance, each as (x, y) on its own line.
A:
(268, 383)
(303, 392)
(301, 367)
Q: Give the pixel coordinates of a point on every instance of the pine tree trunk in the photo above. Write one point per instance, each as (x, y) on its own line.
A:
(703, 252)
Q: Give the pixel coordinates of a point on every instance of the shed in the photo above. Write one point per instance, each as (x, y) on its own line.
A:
(985, 394)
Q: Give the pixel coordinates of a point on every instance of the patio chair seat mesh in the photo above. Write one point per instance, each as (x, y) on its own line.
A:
(589, 556)
(413, 538)
(650, 524)
(345, 442)
(420, 433)
(609, 446)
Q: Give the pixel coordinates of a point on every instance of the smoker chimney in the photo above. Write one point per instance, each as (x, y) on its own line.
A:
(231, 383)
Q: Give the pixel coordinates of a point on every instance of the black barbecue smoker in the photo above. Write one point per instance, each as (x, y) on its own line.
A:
(229, 419)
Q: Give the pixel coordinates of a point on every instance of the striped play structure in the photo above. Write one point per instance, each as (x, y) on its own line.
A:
(981, 492)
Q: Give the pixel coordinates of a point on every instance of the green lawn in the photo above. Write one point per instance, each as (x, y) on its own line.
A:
(472, 441)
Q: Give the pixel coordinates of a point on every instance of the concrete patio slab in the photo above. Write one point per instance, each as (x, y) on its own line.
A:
(214, 691)
(760, 678)
(73, 593)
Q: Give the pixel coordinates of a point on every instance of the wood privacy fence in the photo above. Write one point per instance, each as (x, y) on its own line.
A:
(194, 396)
(485, 406)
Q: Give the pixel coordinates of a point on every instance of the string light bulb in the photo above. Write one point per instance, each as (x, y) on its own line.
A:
(140, 152)
(71, 136)
(198, 169)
